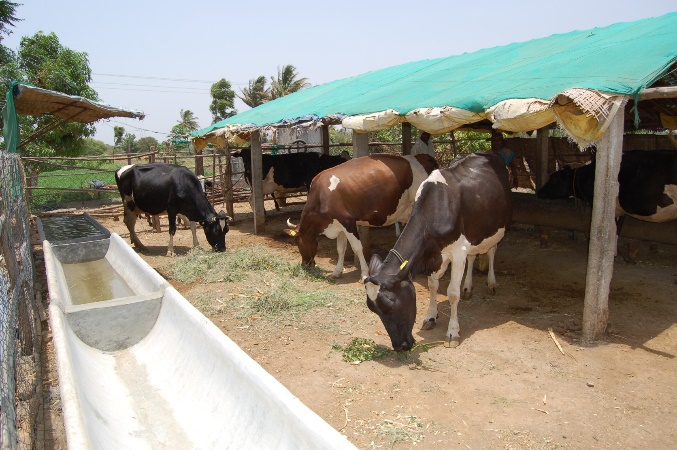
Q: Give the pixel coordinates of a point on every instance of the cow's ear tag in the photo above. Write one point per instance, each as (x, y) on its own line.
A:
(404, 263)
(292, 232)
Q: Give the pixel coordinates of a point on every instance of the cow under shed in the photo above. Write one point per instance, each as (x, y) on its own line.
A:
(459, 212)
(288, 172)
(376, 191)
(647, 185)
(164, 188)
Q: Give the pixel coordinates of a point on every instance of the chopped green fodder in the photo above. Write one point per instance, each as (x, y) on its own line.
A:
(360, 350)
(404, 429)
(289, 299)
(234, 265)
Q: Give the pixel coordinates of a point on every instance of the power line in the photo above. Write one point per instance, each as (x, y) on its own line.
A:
(152, 78)
(149, 85)
(153, 90)
(238, 83)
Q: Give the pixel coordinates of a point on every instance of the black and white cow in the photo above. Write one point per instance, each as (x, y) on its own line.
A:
(647, 185)
(287, 172)
(164, 188)
(459, 212)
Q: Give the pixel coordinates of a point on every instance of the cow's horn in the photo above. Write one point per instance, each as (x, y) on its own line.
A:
(290, 225)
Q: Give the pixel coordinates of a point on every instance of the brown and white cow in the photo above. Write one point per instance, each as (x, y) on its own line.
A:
(376, 191)
(459, 212)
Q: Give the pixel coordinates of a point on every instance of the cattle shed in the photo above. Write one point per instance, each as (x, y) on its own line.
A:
(595, 85)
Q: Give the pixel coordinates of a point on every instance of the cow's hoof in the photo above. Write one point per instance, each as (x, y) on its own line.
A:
(467, 294)
(491, 290)
(428, 324)
(454, 341)
(334, 276)
(170, 254)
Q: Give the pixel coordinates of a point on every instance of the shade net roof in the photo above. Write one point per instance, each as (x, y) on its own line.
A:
(620, 59)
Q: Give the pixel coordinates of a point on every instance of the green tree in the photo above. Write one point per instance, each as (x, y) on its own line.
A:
(7, 17)
(42, 61)
(256, 94)
(129, 143)
(286, 82)
(180, 134)
(118, 132)
(223, 100)
(144, 144)
(94, 147)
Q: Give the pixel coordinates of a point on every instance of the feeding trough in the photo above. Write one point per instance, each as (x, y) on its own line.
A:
(139, 367)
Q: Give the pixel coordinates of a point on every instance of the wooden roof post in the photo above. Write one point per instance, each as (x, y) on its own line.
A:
(602, 247)
(325, 139)
(257, 183)
(406, 138)
(361, 148)
(542, 150)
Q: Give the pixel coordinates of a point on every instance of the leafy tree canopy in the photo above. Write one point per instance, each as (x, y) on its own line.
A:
(7, 17)
(118, 132)
(223, 100)
(144, 144)
(256, 93)
(42, 61)
(286, 82)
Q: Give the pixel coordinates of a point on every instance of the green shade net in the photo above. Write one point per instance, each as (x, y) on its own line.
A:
(623, 58)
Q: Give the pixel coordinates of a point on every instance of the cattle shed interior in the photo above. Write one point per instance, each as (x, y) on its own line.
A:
(613, 87)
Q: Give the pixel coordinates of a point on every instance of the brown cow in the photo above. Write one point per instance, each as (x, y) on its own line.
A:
(375, 191)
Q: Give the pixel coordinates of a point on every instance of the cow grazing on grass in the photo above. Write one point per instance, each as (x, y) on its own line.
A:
(459, 212)
(376, 191)
(287, 172)
(164, 188)
(647, 185)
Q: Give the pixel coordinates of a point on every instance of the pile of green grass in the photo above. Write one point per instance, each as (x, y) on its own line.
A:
(276, 287)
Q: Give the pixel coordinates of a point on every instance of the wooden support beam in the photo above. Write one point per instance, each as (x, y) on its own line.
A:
(257, 183)
(361, 148)
(406, 138)
(542, 150)
(325, 139)
(659, 92)
(601, 250)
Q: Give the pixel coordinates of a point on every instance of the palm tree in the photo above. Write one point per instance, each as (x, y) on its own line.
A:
(286, 82)
(188, 120)
(256, 94)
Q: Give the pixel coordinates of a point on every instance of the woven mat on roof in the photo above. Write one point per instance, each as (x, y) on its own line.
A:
(31, 100)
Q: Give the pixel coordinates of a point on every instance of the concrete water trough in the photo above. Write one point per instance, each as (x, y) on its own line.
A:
(139, 367)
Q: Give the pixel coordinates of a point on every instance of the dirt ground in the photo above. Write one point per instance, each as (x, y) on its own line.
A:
(506, 386)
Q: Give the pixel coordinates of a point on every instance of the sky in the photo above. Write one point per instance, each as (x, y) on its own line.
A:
(162, 57)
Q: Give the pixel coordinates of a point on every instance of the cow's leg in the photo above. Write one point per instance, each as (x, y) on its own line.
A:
(277, 207)
(433, 285)
(172, 231)
(341, 245)
(356, 245)
(193, 229)
(491, 276)
(130, 221)
(453, 293)
(156, 223)
(467, 284)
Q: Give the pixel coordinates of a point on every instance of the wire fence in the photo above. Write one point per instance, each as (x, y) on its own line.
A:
(20, 380)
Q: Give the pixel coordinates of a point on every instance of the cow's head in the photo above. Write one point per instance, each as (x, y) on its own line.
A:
(216, 227)
(306, 243)
(560, 185)
(394, 301)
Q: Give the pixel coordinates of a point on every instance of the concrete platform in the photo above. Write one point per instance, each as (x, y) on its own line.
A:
(149, 371)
